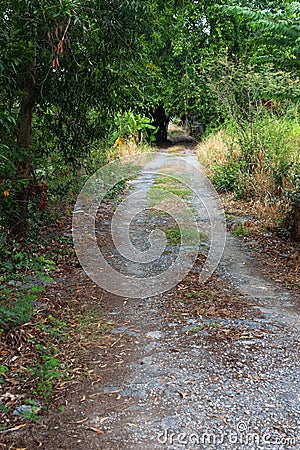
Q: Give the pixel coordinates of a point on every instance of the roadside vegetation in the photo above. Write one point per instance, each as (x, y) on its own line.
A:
(258, 162)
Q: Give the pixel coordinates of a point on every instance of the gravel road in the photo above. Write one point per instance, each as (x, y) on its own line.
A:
(189, 381)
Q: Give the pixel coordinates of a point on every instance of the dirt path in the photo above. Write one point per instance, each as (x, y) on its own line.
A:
(199, 366)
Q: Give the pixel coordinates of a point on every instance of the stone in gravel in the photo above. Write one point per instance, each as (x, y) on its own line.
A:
(155, 334)
(38, 306)
(27, 410)
(118, 330)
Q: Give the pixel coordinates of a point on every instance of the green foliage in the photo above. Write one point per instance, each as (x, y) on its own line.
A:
(3, 369)
(267, 146)
(19, 269)
(228, 177)
(15, 259)
(54, 328)
(276, 33)
(47, 372)
(82, 66)
(77, 70)
(163, 186)
(175, 234)
(240, 230)
(130, 126)
(261, 161)
(31, 413)
(16, 313)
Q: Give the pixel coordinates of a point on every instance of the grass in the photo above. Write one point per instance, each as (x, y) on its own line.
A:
(260, 163)
(173, 235)
(211, 325)
(190, 235)
(162, 190)
(165, 185)
(214, 150)
(128, 148)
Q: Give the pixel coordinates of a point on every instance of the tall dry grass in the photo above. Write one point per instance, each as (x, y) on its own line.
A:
(127, 148)
(259, 164)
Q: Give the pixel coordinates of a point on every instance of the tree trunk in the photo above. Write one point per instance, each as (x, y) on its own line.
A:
(161, 121)
(295, 230)
(18, 216)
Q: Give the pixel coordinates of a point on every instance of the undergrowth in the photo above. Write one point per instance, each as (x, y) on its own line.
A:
(259, 161)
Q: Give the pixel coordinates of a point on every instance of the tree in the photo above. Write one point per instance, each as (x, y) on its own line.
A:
(60, 61)
(276, 32)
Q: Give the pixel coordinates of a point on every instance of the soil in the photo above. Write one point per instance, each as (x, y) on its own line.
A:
(212, 365)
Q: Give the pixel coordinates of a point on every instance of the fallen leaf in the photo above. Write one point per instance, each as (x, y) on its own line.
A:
(103, 419)
(96, 430)
(18, 427)
(182, 394)
(79, 421)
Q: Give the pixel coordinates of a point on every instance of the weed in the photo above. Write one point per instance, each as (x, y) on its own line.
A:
(193, 295)
(37, 289)
(3, 369)
(241, 230)
(163, 186)
(175, 235)
(198, 328)
(4, 409)
(46, 373)
(115, 191)
(16, 313)
(31, 413)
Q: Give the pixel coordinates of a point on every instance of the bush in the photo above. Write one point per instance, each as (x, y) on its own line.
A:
(259, 160)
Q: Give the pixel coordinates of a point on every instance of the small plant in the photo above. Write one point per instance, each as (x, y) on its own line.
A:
(134, 127)
(163, 186)
(46, 373)
(199, 327)
(241, 230)
(4, 409)
(115, 191)
(229, 177)
(16, 313)
(55, 329)
(186, 234)
(30, 413)
(37, 289)
(3, 371)
(193, 295)
(173, 235)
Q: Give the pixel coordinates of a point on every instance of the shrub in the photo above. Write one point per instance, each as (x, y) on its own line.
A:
(258, 161)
